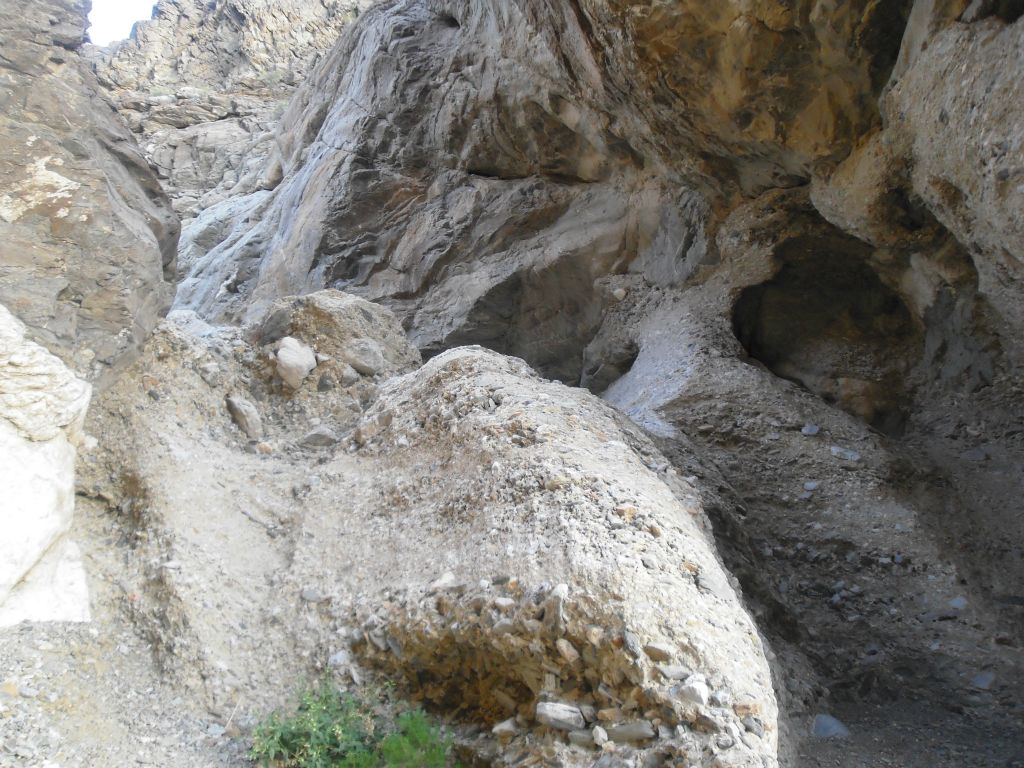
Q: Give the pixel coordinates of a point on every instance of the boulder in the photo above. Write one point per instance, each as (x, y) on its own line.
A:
(42, 409)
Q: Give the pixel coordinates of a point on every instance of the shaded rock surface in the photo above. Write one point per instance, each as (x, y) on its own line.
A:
(87, 237)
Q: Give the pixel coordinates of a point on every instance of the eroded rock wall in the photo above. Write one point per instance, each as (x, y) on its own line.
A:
(202, 85)
(87, 237)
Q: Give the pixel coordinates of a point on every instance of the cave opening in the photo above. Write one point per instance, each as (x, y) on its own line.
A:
(827, 322)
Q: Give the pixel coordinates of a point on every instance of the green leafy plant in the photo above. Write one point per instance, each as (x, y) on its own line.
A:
(333, 730)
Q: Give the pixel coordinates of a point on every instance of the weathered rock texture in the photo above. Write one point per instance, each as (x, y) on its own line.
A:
(490, 541)
(202, 85)
(730, 218)
(87, 237)
(42, 410)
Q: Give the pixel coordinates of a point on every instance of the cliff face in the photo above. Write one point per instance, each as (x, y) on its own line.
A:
(443, 158)
(737, 221)
(782, 238)
(202, 85)
(87, 237)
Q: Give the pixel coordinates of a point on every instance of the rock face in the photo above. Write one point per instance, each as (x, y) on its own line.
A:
(202, 85)
(42, 410)
(87, 237)
(565, 546)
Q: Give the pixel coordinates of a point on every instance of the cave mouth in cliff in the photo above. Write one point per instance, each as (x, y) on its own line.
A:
(827, 322)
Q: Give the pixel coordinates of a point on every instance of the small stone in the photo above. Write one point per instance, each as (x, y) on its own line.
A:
(958, 603)
(983, 681)
(581, 738)
(632, 643)
(619, 294)
(811, 485)
(348, 375)
(844, 453)
(311, 595)
(659, 651)
(600, 735)
(693, 690)
(638, 730)
(753, 725)
(505, 729)
(295, 361)
(365, 356)
(810, 430)
(246, 416)
(674, 671)
(562, 717)
(264, 448)
(828, 727)
(320, 437)
(566, 650)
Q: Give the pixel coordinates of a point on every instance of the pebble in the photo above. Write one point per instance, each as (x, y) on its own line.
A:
(812, 485)
(321, 437)
(246, 416)
(828, 727)
(958, 603)
(638, 730)
(600, 735)
(674, 671)
(810, 430)
(505, 728)
(566, 649)
(844, 453)
(619, 294)
(983, 680)
(693, 690)
(659, 651)
(562, 717)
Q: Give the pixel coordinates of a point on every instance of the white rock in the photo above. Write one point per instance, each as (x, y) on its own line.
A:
(295, 361)
(42, 407)
(246, 416)
(694, 690)
(562, 717)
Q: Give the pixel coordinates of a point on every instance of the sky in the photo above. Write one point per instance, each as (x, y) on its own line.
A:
(113, 19)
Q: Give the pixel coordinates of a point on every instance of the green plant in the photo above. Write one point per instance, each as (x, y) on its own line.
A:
(333, 730)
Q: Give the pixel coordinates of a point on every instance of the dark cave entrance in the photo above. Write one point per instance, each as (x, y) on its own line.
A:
(827, 322)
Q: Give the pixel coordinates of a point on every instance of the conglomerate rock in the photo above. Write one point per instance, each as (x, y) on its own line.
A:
(490, 541)
(87, 237)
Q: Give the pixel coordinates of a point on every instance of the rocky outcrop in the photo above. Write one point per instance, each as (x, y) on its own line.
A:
(202, 85)
(87, 238)
(738, 222)
(568, 569)
(42, 410)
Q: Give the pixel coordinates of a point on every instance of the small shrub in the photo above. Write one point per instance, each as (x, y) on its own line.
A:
(333, 730)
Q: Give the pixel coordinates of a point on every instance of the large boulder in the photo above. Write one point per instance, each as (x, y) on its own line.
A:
(42, 410)
(502, 547)
(87, 238)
